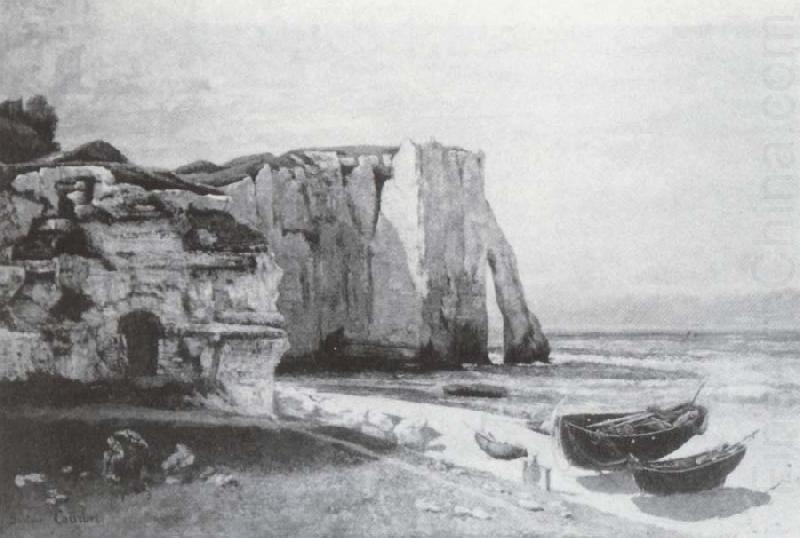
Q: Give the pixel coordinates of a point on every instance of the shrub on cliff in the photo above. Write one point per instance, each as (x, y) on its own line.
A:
(96, 151)
(198, 167)
(27, 132)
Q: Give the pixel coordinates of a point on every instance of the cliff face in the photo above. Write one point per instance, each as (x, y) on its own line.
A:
(112, 271)
(384, 253)
(366, 255)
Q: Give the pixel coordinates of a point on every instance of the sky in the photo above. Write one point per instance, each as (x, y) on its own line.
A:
(625, 141)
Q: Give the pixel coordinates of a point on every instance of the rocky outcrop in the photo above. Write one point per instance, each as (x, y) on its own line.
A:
(109, 270)
(523, 340)
(385, 253)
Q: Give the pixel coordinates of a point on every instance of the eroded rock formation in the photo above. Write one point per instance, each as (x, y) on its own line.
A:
(108, 270)
(365, 255)
(384, 252)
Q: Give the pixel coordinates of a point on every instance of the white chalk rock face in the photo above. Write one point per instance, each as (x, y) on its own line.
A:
(103, 275)
(523, 340)
(365, 254)
(385, 254)
(243, 205)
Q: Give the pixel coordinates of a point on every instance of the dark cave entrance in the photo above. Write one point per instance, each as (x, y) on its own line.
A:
(142, 331)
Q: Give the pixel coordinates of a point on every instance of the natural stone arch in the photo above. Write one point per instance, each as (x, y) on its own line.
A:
(141, 330)
(495, 322)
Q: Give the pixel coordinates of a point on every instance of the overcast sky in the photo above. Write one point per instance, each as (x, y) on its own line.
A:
(624, 141)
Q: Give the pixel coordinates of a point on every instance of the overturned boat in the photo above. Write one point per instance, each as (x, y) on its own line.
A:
(499, 449)
(475, 390)
(601, 441)
(707, 470)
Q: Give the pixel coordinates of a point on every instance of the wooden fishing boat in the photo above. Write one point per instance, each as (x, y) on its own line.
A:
(475, 390)
(602, 441)
(498, 449)
(707, 470)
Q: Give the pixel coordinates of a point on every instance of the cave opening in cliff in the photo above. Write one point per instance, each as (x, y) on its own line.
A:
(141, 331)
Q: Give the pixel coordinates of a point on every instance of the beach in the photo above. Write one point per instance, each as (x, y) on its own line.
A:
(748, 386)
(389, 453)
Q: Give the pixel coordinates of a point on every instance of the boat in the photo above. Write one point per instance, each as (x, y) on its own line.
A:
(603, 441)
(498, 449)
(475, 390)
(707, 470)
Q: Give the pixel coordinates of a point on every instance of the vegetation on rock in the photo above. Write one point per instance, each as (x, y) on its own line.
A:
(27, 132)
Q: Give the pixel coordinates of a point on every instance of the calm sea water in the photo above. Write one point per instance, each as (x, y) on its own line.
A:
(624, 370)
(761, 368)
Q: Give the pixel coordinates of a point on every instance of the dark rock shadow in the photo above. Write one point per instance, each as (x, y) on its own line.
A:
(718, 503)
(615, 483)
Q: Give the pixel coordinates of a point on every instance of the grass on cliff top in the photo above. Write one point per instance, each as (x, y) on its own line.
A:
(208, 173)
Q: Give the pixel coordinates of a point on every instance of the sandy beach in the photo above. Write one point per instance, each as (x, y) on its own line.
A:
(286, 479)
(746, 390)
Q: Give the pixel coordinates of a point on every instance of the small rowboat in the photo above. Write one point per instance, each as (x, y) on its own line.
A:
(596, 440)
(707, 470)
(498, 449)
(475, 390)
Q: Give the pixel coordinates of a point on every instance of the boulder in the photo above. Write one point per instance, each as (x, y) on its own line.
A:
(126, 457)
(223, 480)
(21, 480)
(182, 458)
(415, 433)
(297, 403)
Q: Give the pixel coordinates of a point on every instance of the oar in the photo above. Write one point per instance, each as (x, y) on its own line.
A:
(619, 421)
(749, 435)
(696, 394)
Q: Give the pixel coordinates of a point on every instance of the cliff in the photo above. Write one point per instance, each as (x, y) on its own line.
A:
(349, 257)
(111, 271)
(385, 253)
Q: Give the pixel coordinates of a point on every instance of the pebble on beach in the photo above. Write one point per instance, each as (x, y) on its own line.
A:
(33, 478)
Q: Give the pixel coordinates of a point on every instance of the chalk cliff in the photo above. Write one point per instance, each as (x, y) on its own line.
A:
(348, 257)
(109, 270)
(385, 253)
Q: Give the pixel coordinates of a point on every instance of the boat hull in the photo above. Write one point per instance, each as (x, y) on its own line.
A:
(586, 449)
(660, 481)
(500, 450)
